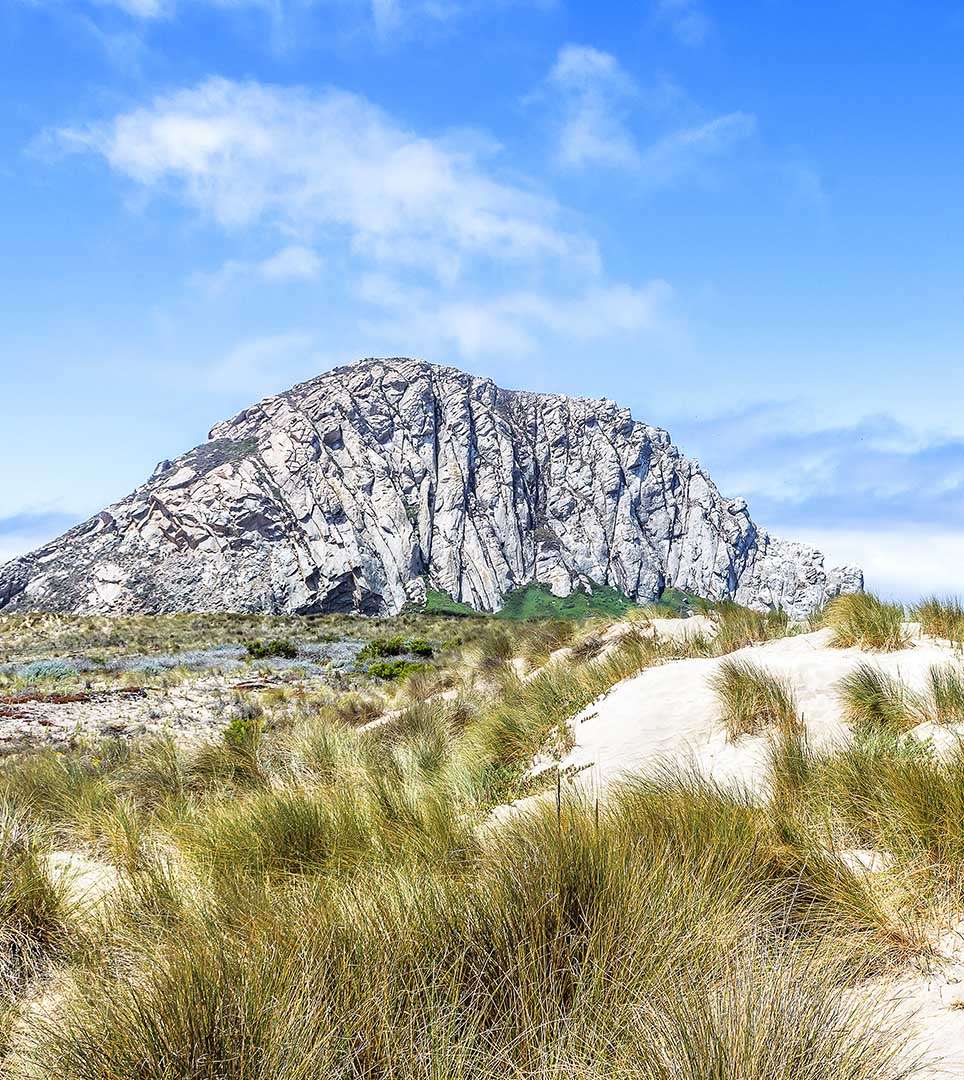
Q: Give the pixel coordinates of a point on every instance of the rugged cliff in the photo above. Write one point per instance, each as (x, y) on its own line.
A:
(353, 490)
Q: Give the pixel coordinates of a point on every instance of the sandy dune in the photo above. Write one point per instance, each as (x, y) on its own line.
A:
(669, 712)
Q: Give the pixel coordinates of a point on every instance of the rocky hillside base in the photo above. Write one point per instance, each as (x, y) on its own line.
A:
(844, 858)
(392, 483)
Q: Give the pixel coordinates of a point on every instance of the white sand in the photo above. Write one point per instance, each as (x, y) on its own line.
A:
(682, 629)
(89, 881)
(930, 1002)
(669, 712)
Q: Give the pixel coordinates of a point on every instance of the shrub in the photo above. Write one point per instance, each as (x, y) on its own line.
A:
(276, 647)
(864, 621)
(419, 647)
(244, 728)
(753, 699)
(876, 702)
(382, 647)
(49, 669)
(389, 648)
(392, 669)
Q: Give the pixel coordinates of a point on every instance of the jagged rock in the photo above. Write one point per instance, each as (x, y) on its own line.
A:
(351, 491)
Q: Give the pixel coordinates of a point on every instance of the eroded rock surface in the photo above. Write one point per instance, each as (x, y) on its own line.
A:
(354, 490)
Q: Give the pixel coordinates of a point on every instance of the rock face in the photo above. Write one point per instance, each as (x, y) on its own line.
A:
(351, 491)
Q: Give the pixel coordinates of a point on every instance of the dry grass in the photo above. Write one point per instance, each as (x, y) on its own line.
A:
(753, 700)
(863, 621)
(874, 702)
(306, 898)
(945, 694)
(941, 618)
(740, 626)
(580, 945)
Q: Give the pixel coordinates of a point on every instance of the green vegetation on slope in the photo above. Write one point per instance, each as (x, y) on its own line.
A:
(536, 601)
(438, 602)
(681, 602)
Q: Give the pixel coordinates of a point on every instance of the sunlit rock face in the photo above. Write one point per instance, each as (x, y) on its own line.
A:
(354, 491)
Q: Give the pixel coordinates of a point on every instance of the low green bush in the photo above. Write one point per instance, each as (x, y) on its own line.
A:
(383, 648)
(392, 669)
(243, 729)
(276, 647)
(420, 647)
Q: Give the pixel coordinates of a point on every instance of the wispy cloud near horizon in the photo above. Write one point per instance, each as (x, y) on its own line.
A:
(25, 532)
(876, 493)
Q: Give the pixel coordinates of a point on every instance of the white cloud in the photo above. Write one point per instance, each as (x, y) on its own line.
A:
(267, 365)
(141, 9)
(306, 163)
(386, 15)
(392, 17)
(594, 93)
(292, 263)
(389, 20)
(514, 322)
(28, 530)
(152, 10)
(593, 88)
(686, 18)
(495, 268)
(17, 544)
(684, 151)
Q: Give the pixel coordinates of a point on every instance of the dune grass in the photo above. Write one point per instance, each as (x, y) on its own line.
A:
(863, 621)
(753, 699)
(887, 794)
(874, 702)
(580, 944)
(318, 895)
(741, 626)
(877, 703)
(941, 618)
(36, 914)
(945, 693)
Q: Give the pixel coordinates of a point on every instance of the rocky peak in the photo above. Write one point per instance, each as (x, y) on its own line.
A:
(353, 490)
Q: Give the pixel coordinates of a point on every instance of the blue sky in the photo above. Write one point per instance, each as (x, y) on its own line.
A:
(742, 219)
